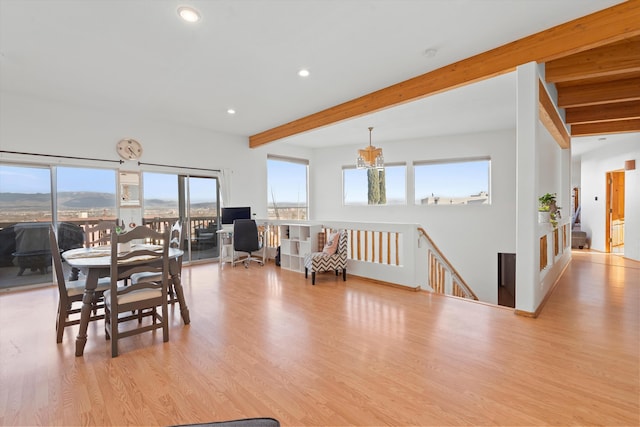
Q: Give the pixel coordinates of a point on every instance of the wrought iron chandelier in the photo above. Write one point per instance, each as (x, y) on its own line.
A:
(370, 157)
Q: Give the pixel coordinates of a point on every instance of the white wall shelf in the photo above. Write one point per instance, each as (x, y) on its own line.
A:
(296, 241)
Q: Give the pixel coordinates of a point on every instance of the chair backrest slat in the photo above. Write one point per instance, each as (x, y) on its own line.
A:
(102, 230)
(138, 259)
(57, 264)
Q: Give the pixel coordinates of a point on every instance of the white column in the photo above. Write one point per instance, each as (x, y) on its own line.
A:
(527, 241)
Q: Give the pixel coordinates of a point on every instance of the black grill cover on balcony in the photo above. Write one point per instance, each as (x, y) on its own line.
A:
(32, 246)
(7, 246)
(70, 236)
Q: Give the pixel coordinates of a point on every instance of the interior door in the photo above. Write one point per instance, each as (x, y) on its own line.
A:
(614, 233)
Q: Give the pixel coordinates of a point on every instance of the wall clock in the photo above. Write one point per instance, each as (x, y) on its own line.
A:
(129, 149)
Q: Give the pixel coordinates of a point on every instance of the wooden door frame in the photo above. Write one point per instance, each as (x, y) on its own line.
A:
(608, 208)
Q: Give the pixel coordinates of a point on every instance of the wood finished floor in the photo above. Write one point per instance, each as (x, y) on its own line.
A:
(264, 342)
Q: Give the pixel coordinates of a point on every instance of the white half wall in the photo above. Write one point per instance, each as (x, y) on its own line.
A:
(470, 236)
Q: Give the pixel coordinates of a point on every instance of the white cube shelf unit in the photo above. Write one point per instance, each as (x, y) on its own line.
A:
(296, 241)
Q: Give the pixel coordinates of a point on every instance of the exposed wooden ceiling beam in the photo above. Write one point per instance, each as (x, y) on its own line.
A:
(551, 119)
(599, 93)
(613, 59)
(604, 128)
(616, 23)
(603, 113)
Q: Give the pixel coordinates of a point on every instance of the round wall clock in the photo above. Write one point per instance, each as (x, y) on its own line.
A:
(129, 149)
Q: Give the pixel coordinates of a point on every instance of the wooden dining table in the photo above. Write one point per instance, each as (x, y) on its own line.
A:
(95, 262)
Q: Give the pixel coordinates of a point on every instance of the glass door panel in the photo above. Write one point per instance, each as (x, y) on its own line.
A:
(25, 214)
(202, 207)
(161, 200)
(85, 196)
(168, 197)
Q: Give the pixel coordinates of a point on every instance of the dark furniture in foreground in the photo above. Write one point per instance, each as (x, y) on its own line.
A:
(246, 422)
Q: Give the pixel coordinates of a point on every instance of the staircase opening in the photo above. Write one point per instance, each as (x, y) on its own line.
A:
(507, 279)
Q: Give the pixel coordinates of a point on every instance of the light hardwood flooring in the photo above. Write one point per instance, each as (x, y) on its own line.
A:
(264, 342)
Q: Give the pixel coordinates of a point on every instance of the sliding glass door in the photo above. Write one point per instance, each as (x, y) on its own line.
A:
(168, 197)
(25, 215)
(202, 208)
(85, 195)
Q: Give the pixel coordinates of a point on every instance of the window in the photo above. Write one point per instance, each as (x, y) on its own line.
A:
(86, 194)
(456, 182)
(374, 187)
(25, 194)
(287, 188)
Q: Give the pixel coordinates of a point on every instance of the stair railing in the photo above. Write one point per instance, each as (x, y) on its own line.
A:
(443, 277)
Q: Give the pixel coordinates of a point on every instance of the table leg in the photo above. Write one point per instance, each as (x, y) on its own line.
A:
(175, 268)
(177, 286)
(85, 314)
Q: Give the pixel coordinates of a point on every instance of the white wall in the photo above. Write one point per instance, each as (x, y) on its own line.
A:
(470, 236)
(595, 164)
(39, 126)
(542, 168)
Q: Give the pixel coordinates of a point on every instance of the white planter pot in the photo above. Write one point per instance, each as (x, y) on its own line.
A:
(544, 217)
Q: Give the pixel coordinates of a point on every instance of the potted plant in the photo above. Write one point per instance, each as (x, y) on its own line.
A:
(548, 211)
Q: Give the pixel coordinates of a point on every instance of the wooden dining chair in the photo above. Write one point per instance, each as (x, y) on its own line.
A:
(123, 302)
(71, 292)
(177, 243)
(99, 234)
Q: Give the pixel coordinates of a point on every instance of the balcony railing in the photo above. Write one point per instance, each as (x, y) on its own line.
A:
(392, 253)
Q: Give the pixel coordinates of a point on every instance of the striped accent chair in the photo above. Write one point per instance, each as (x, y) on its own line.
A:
(320, 261)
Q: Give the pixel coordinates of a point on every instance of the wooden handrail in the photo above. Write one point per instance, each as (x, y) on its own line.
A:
(458, 281)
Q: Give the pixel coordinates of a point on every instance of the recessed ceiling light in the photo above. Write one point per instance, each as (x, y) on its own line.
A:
(231, 111)
(303, 73)
(189, 14)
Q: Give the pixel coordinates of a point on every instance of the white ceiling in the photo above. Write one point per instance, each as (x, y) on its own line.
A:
(138, 56)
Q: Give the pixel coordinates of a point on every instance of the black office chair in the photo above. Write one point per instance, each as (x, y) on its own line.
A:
(245, 239)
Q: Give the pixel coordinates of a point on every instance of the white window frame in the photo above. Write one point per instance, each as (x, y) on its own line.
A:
(446, 200)
(295, 160)
(395, 164)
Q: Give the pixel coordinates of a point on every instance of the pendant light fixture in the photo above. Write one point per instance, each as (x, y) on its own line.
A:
(370, 157)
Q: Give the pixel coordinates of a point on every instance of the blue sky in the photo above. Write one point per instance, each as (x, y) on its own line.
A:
(287, 180)
(165, 187)
(16, 179)
(460, 179)
(24, 180)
